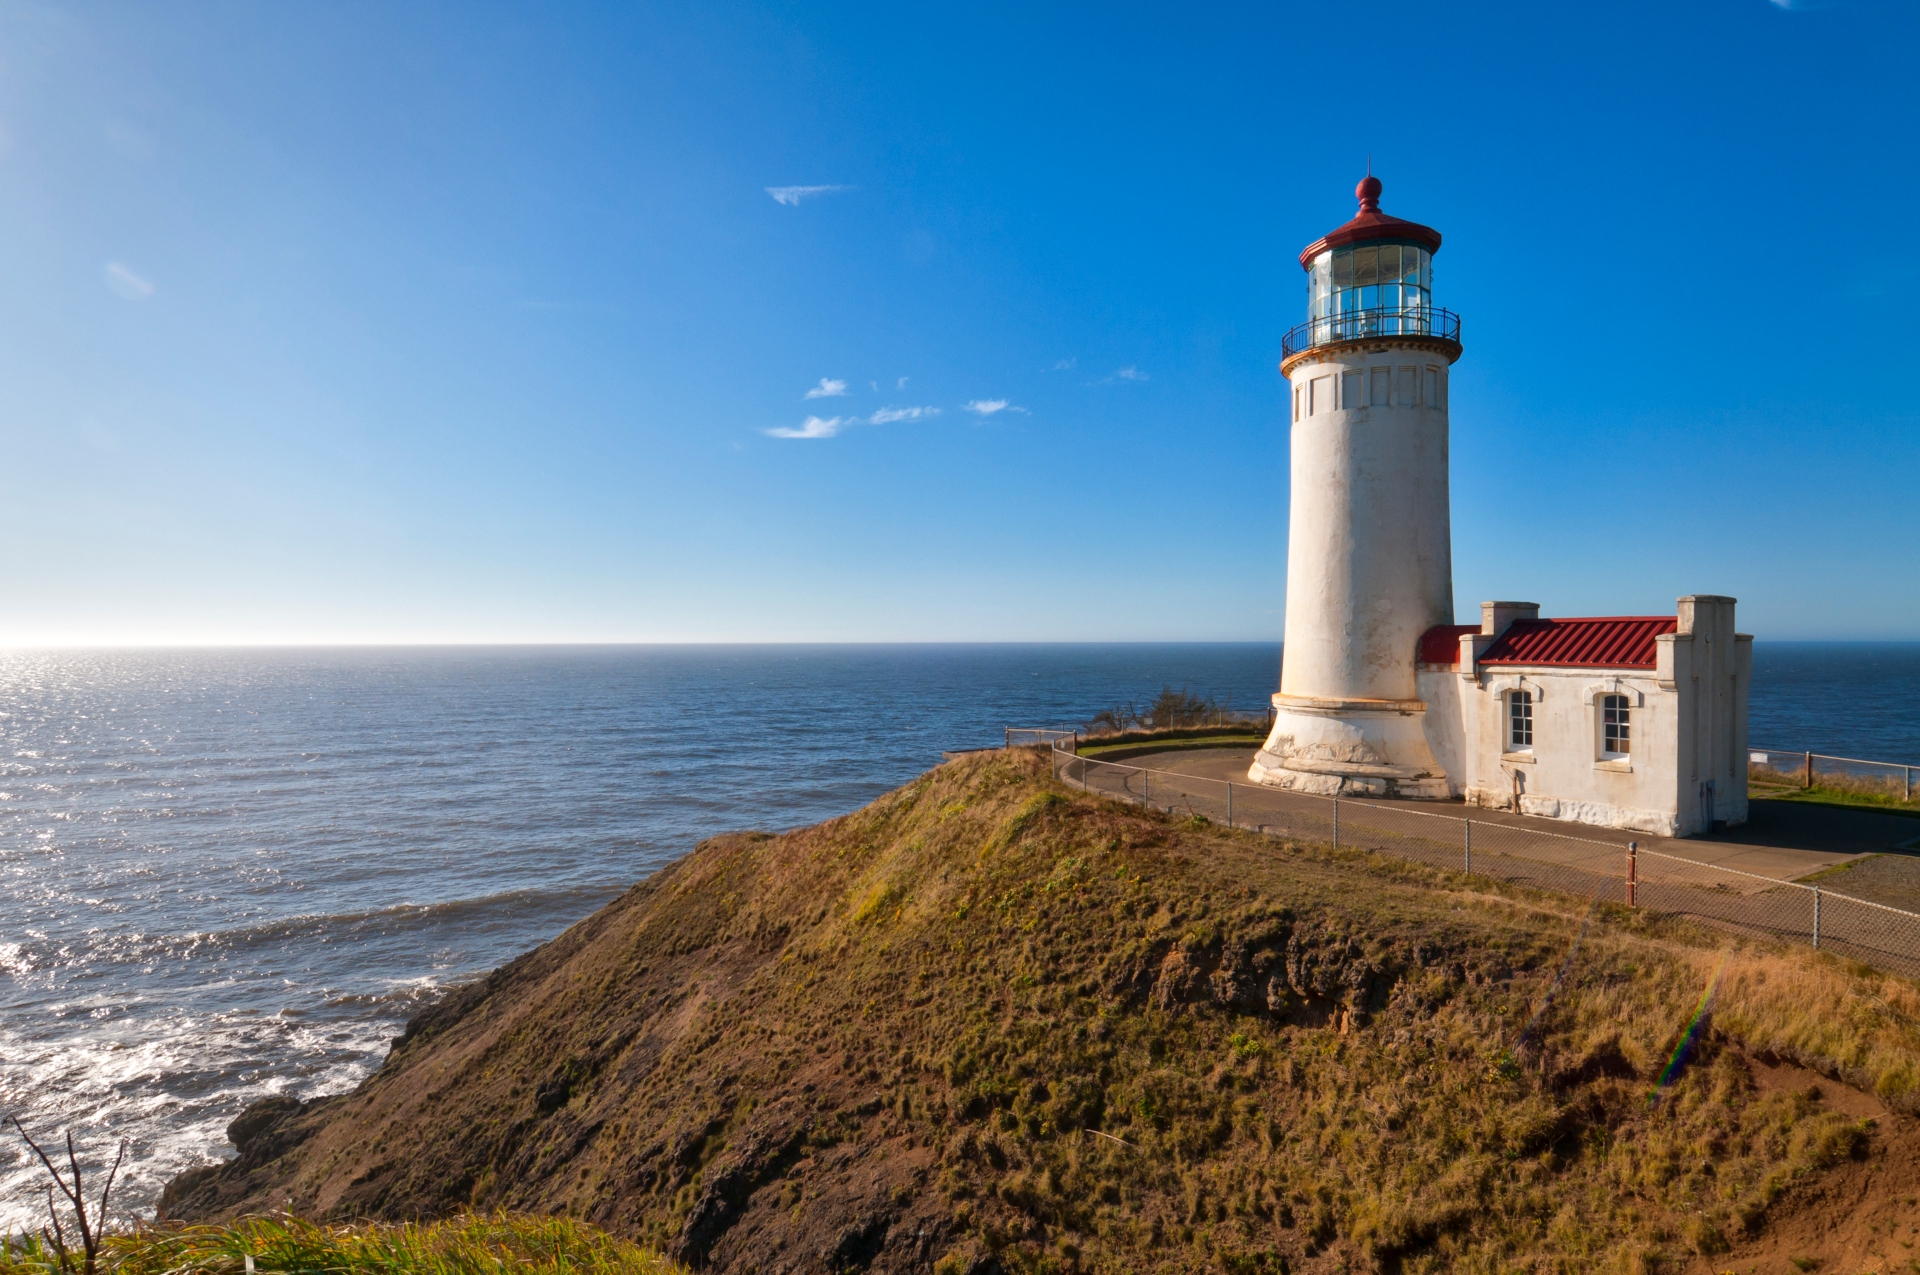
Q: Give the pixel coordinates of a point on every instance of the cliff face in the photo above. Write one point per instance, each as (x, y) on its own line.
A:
(986, 1023)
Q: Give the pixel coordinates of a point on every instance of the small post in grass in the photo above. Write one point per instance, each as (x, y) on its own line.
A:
(1229, 803)
(1469, 846)
(1633, 873)
(1816, 916)
(1336, 823)
(1807, 780)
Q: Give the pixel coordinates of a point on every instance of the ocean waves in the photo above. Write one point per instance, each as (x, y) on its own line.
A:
(231, 874)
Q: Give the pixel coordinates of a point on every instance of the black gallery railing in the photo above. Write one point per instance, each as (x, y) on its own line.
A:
(1359, 325)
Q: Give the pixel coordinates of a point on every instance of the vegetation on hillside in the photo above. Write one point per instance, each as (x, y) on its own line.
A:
(459, 1246)
(988, 1023)
(1887, 793)
(1170, 710)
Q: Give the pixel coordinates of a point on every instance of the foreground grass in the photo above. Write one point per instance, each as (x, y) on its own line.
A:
(486, 1245)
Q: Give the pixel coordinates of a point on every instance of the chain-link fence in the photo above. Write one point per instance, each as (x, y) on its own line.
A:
(1725, 897)
(1019, 735)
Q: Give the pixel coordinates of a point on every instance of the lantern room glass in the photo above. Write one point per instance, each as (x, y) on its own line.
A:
(1376, 289)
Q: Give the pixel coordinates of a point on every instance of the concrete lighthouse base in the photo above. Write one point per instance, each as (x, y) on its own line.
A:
(1350, 747)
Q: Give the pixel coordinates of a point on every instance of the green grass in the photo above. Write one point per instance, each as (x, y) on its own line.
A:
(486, 1245)
(1133, 748)
(1863, 794)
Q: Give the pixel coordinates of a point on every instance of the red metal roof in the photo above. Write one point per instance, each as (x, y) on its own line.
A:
(1371, 224)
(1441, 643)
(1618, 641)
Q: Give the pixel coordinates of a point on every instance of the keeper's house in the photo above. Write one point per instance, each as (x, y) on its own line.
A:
(1633, 722)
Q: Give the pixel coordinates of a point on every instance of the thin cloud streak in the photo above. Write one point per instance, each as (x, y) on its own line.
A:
(828, 427)
(827, 389)
(989, 406)
(126, 282)
(812, 427)
(792, 195)
(888, 415)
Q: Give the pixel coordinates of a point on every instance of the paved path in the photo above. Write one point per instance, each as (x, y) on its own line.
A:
(1782, 840)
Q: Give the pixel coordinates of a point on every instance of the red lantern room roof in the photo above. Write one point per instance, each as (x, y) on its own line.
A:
(1371, 224)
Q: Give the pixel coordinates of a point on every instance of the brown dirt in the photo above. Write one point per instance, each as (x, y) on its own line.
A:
(1863, 1215)
(989, 1025)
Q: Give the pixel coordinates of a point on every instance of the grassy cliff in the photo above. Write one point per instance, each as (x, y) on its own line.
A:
(989, 1023)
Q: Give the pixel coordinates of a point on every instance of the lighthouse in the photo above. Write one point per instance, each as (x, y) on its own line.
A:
(1369, 545)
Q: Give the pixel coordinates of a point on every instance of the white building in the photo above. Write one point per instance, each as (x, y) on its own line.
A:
(1632, 722)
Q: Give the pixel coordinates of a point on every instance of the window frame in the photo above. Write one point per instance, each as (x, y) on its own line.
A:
(1614, 702)
(1519, 698)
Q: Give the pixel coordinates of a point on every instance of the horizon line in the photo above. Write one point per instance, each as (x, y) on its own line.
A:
(431, 643)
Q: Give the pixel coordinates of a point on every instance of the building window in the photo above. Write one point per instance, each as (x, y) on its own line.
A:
(1350, 395)
(1380, 377)
(1296, 402)
(1433, 387)
(1520, 720)
(1615, 739)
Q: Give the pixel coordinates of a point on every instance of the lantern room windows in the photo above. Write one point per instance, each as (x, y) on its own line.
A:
(1395, 280)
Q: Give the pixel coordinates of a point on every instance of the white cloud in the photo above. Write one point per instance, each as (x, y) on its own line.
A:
(812, 427)
(888, 415)
(126, 282)
(988, 406)
(1063, 365)
(901, 384)
(1130, 373)
(792, 195)
(818, 427)
(828, 389)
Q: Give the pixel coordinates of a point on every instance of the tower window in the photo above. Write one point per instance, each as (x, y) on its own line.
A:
(1520, 720)
(1433, 387)
(1350, 392)
(1380, 377)
(1615, 738)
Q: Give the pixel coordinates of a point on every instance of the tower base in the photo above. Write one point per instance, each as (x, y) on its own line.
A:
(1350, 748)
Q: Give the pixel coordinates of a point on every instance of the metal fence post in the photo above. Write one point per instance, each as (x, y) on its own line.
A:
(1336, 823)
(1146, 785)
(1009, 740)
(1469, 825)
(1807, 782)
(1906, 792)
(1229, 803)
(1633, 874)
(1816, 916)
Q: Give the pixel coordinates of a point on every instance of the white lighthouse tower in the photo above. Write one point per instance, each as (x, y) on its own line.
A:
(1369, 547)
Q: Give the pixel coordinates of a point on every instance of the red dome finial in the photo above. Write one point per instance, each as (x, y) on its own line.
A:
(1368, 192)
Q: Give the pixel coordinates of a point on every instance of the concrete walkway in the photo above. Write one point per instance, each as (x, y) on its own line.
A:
(1782, 840)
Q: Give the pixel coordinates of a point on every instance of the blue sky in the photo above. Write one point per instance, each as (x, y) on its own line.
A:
(392, 322)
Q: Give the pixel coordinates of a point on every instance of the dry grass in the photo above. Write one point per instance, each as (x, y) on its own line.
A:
(988, 1015)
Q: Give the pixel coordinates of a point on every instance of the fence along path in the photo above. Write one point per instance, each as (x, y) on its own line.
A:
(1872, 933)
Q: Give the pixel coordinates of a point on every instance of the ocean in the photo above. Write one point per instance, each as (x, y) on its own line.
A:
(234, 873)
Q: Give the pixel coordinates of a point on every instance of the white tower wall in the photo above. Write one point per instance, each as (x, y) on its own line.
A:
(1369, 540)
(1369, 568)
